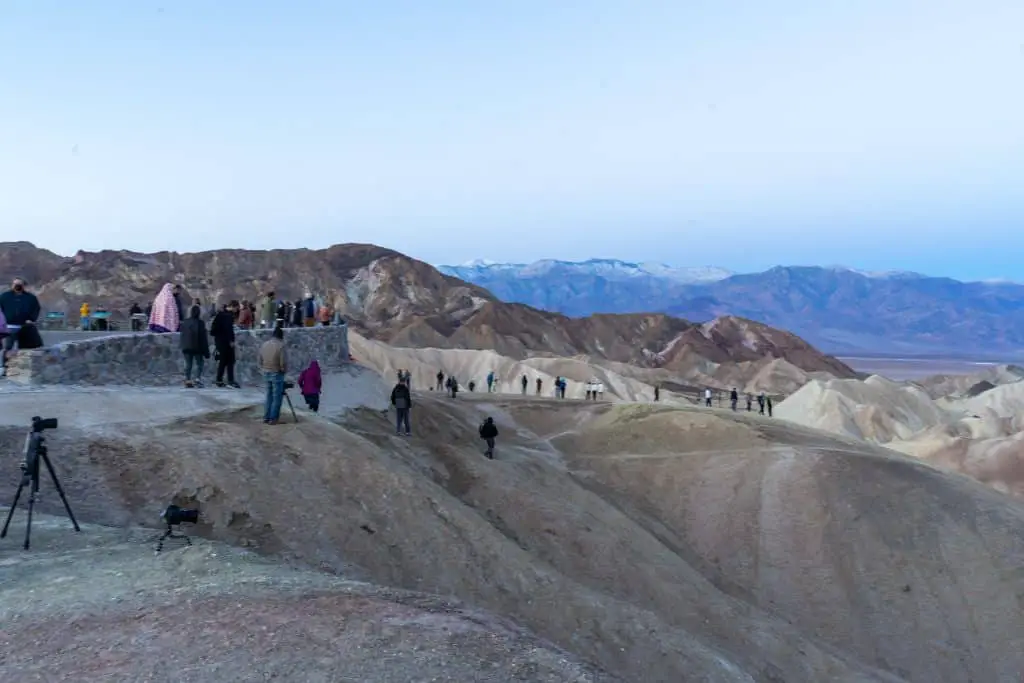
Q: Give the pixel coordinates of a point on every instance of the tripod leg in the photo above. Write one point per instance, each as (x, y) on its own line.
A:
(160, 543)
(60, 491)
(31, 504)
(10, 513)
(291, 407)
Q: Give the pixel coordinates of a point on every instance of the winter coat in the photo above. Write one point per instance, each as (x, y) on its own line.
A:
(310, 380)
(488, 430)
(400, 397)
(19, 308)
(193, 338)
(222, 329)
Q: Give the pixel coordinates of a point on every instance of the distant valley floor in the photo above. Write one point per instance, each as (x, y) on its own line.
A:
(901, 368)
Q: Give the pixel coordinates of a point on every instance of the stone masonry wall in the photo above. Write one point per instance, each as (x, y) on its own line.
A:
(147, 359)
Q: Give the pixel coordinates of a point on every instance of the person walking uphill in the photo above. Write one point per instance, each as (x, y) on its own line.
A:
(273, 364)
(222, 329)
(310, 384)
(401, 399)
(195, 346)
(489, 432)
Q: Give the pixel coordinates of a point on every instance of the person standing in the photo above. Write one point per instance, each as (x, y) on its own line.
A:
(768, 404)
(540, 383)
(734, 398)
(750, 401)
(21, 311)
(268, 311)
(83, 316)
(707, 397)
(401, 399)
(222, 329)
(657, 393)
(195, 346)
(524, 382)
(490, 381)
(760, 403)
(273, 363)
(489, 432)
(440, 380)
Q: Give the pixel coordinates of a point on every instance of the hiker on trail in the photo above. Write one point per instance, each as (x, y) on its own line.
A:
(401, 399)
(489, 432)
(222, 329)
(760, 402)
(524, 382)
(471, 385)
(734, 398)
(589, 386)
(490, 381)
(311, 384)
(768, 404)
(195, 346)
(273, 363)
(540, 382)
(750, 401)
(600, 391)
(164, 317)
(707, 397)
(657, 394)
(454, 388)
(562, 383)
(440, 381)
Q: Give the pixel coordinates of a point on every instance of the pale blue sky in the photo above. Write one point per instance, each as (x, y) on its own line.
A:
(876, 133)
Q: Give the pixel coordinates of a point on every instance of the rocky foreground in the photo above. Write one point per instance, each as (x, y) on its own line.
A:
(659, 543)
(102, 605)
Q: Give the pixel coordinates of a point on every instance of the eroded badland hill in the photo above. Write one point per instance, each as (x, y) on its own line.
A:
(658, 543)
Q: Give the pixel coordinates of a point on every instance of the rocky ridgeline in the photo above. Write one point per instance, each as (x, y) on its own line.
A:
(148, 359)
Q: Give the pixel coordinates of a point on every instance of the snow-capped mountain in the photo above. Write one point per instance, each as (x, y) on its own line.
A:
(610, 269)
(834, 307)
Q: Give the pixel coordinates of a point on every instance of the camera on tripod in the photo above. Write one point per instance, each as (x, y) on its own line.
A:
(36, 452)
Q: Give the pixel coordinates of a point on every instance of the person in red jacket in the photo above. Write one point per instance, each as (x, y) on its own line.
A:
(310, 384)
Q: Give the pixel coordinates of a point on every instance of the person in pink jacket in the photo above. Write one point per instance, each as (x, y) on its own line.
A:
(310, 384)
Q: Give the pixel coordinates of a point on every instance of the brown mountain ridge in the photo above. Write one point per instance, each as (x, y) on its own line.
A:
(391, 297)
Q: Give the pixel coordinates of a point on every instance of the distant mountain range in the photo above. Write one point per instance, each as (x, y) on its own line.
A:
(839, 309)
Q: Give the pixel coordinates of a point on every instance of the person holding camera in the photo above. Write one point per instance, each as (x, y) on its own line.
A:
(273, 363)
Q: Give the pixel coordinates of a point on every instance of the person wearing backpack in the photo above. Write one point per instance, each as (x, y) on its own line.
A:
(401, 399)
(489, 432)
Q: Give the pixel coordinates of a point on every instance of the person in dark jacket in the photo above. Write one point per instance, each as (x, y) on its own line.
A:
(401, 399)
(177, 293)
(195, 346)
(489, 432)
(734, 398)
(222, 329)
(297, 313)
(21, 310)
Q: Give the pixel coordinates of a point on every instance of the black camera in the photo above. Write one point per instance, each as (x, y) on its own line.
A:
(41, 424)
(175, 515)
(289, 385)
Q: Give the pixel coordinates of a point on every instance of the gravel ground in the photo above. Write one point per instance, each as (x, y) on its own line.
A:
(102, 605)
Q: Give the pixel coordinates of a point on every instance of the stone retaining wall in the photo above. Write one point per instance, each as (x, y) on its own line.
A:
(147, 359)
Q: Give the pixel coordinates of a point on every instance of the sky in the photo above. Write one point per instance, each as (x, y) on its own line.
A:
(880, 134)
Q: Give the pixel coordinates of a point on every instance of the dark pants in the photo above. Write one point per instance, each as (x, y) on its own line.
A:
(733, 401)
(226, 362)
(313, 401)
(707, 402)
(198, 361)
(402, 418)
(490, 447)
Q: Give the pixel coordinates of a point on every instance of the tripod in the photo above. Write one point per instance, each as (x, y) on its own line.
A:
(36, 451)
(170, 534)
